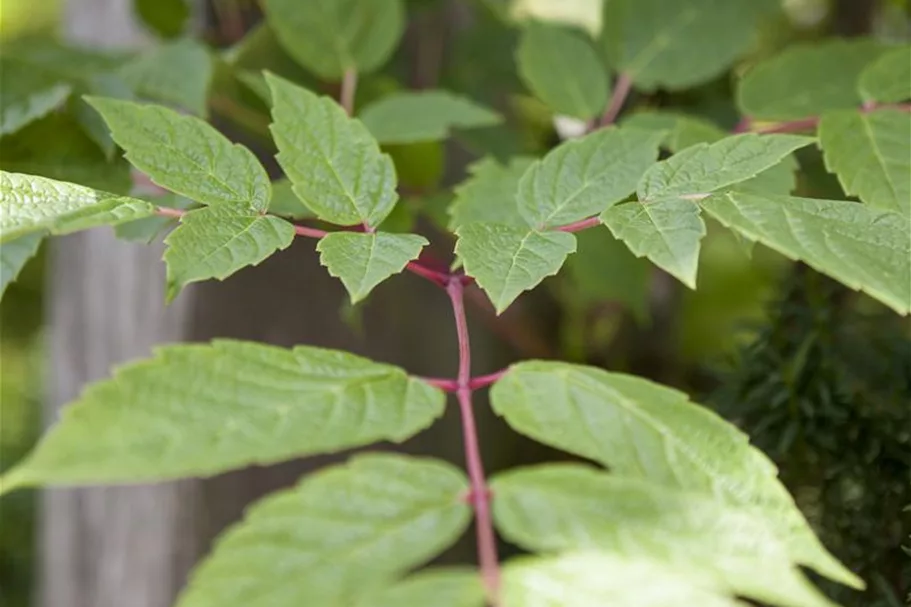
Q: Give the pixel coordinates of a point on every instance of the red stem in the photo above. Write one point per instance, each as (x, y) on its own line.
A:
(582, 224)
(805, 124)
(475, 383)
(480, 496)
(621, 91)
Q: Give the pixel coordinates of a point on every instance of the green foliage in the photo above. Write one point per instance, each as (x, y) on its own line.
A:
(489, 193)
(807, 80)
(585, 176)
(863, 248)
(167, 18)
(363, 261)
(684, 510)
(506, 260)
(337, 35)
(14, 255)
(666, 231)
(334, 163)
(565, 508)
(580, 579)
(186, 155)
(337, 537)
(871, 154)
(440, 587)
(822, 388)
(562, 68)
(215, 242)
(888, 79)
(423, 116)
(26, 95)
(267, 404)
(676, 44)
(33, 204)
(178, 73)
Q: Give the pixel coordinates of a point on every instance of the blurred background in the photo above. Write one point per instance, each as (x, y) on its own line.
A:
(819, 376)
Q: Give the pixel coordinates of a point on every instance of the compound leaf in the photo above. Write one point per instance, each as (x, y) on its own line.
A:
(27, 93)
(675, 44)
(888, 79)
(646, 431)
(341, 535)
(334, 163)
(14, 255)
(439, 587)
(415, 116)
(30, 203)
(176, 73)
(330, 37)
(507, 260)
(806, 80)
(584, 176)
(185, 155)
(862, 247)
(667, 231)
(871, 154)
(363, 261)
(215, 242)
(562, 68)
(202, 409)
(703, 168)
(585, 579)
(489, 194)
(570, 507)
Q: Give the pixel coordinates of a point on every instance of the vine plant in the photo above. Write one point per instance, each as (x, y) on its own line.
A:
(679, 509)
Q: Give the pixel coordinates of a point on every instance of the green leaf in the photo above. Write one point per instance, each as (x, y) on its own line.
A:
(437, 587)
(667, 231)
(643, 430)
(58, 148)
(14, 255)
(363, 261)
(507, 260)
(584, 176)
(215, 242)
(489, 194)
(187, 156)
(102, 85)
(415, 116)
(332, 36)
(680, 130)
(888, 79)
(36, 204)
(703, 168)
(871, 154)
(177, 73)
(167, 18)
(334, 163)
(562, 69)
(340, 535)
(862, 247)
(777, 179)
(27, 94)
(806, 80)
(676, 44)
(569, 507)
(285, 201)
(589, 579)
(202, 409)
